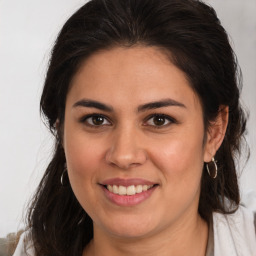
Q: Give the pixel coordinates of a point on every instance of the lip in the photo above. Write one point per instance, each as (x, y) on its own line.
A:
(126, 182)
(126, 200)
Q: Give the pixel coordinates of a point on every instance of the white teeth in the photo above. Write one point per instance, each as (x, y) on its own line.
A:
(129, 191)
(139, 189)
(115, 189)
(110, 188)
(122, 190)
(144, 187)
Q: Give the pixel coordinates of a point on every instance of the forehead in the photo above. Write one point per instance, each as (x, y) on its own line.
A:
(135, 75)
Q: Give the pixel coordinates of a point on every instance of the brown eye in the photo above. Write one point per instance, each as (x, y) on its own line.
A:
(159, 120)
(95, 120)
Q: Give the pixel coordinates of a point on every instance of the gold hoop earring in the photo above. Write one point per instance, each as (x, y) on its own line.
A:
(64, 181)
(214, 174)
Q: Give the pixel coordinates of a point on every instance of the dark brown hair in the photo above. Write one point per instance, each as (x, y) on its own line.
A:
(191, 33)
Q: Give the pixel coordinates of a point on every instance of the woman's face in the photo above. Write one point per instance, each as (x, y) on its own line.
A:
(132, 121)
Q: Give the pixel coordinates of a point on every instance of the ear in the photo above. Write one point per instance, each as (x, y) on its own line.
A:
(216, 133)
(59, 130)
(57, 124)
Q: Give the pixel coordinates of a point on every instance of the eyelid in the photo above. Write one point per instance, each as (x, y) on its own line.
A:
(170, 120)
(86, 117)
(167, 117)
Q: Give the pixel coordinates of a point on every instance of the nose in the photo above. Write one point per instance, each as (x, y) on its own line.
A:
(125, 150)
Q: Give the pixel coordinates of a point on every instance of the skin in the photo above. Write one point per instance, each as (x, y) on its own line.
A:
(131, 144)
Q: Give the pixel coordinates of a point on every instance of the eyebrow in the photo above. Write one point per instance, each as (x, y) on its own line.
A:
(151, 105)
(93, 104)
(160, 104)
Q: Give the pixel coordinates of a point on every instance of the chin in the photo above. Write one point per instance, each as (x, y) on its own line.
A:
(125, 227)
(130, 233)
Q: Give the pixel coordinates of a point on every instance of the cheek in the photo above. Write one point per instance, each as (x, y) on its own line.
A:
(83, 163)
(82, 153)
(180, 158)
(179, 154)
(181, 164)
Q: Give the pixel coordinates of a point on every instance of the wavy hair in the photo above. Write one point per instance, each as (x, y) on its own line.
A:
(191, 34)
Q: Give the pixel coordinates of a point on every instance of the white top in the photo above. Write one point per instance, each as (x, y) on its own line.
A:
(230, 235)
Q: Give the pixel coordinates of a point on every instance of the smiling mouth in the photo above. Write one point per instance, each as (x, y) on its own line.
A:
(129, 190)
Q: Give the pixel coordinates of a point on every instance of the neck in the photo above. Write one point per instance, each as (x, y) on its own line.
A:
(189, 237)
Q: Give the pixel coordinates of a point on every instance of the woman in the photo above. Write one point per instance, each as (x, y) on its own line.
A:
(142, 97)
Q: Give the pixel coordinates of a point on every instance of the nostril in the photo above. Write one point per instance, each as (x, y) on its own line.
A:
(125, 157)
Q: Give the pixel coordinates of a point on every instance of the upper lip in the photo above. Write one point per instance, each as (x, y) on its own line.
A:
(127, 182)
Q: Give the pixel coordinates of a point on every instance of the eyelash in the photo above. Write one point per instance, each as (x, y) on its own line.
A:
(170, 120)
(84, 120)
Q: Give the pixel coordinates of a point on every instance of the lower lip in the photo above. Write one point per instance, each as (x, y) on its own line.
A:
(128, 200)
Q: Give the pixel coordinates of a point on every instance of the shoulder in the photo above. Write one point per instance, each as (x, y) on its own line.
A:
(25, 246)
(234, 234)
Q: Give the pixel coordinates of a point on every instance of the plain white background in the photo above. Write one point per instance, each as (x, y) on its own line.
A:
(28, 29)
